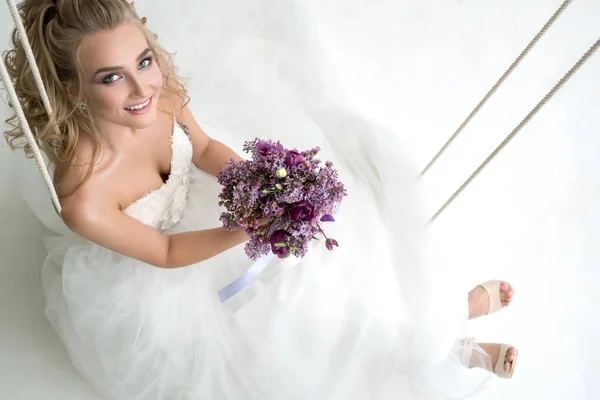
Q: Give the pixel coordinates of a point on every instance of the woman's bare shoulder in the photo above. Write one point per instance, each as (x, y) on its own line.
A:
(82, 192)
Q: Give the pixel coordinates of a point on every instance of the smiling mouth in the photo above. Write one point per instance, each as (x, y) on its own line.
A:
(139, 106)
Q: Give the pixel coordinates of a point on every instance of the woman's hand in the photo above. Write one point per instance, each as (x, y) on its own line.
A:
(264, 221)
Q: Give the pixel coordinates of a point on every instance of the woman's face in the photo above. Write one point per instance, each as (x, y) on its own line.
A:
(121, 78)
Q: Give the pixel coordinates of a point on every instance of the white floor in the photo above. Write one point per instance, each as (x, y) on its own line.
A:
(532, 217)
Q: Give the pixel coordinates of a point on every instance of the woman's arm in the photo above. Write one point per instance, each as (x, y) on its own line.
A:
(214, 157)
(97, 219)
(209, 155)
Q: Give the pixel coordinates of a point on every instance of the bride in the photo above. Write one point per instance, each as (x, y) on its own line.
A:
(154, 300)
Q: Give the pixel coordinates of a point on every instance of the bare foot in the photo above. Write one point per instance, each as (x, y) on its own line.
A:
(479, 300)
(494, 351)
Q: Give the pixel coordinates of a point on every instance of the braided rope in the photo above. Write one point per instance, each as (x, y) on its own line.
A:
(29, 54)
(500, 81)
(25, 126)
(520, 126)
(15, 101)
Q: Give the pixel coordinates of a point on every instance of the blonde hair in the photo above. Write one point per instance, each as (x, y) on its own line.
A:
(55, 29)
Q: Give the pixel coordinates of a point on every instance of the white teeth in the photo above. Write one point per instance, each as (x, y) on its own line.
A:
(139, 106)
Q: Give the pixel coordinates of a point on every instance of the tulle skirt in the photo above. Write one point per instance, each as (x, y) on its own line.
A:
(358, 322)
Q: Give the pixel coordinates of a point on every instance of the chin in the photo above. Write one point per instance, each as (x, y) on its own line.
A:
(142, 122)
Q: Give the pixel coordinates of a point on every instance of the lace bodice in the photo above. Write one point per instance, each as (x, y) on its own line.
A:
(162, 208)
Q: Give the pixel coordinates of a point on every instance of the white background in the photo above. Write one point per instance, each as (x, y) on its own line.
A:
(532, 217)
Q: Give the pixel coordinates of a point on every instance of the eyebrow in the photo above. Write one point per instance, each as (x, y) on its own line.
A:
(110, 69)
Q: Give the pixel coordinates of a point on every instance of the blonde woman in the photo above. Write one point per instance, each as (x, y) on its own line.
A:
(137, 295)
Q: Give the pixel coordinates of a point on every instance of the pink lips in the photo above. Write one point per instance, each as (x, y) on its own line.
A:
(141, 110)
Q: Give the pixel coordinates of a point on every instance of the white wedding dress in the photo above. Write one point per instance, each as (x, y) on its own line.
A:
(355, 323)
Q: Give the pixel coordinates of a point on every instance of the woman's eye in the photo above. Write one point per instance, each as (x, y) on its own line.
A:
(110, 78)
(145, 62)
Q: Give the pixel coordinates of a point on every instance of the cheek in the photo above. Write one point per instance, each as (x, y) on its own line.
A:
(155, 79)
(107, 98)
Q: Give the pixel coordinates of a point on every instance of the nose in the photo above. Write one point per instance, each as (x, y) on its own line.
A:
(137, 87)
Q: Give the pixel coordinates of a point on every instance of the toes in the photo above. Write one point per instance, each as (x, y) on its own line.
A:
(507, 366)
(506, 294)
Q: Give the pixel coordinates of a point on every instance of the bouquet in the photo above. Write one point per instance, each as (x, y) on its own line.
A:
(279, 197)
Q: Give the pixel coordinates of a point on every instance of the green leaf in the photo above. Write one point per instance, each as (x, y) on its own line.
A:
(280, 244)
(278, 186)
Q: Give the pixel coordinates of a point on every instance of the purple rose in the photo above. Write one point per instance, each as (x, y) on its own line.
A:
(278, 245)
(329, 243)
(293, 158)
(301, 211)
(264, 147)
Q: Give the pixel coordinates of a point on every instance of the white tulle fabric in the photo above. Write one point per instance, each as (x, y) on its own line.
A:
(360, 322)
(354, 323)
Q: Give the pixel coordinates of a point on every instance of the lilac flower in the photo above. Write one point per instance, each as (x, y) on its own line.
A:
(301, 211)
(289, 187)
(279, 246)
(293, 158)
(255, 249)
(329, 243)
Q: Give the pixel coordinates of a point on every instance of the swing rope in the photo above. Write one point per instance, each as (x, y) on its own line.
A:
(520, 126)
(14, 100)
(500, 81)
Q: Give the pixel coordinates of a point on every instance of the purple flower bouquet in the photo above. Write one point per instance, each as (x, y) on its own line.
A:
(279, 197)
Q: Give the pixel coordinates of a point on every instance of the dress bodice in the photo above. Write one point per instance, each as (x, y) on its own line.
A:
(162, 208)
